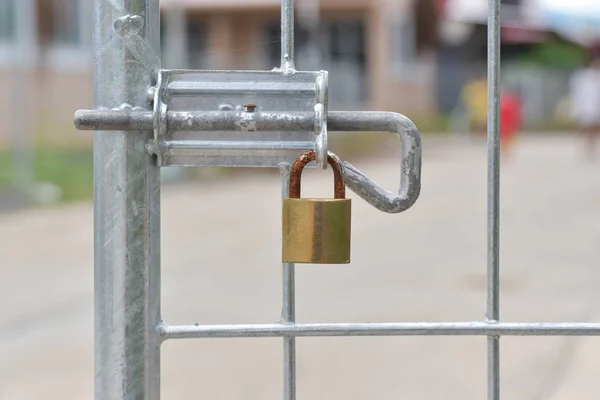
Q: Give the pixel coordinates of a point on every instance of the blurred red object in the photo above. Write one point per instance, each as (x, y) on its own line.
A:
(440, 6)
(510, 117)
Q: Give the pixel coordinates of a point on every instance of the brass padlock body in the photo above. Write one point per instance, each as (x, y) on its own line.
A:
(316, 231)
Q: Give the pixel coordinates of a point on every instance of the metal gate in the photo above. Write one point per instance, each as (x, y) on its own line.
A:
(146, 118)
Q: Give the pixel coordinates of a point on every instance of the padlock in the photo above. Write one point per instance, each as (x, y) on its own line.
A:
(316, 231)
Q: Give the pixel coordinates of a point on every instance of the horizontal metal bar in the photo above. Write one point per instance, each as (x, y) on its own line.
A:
(240, 121)
(192, 88)
(109, 120)
(113, 120)
(239, 145)
(410, 159)
(382, 329)
(391, 202)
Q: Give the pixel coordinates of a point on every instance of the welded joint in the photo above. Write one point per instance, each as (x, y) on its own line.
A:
(130, 29)
(162, 332)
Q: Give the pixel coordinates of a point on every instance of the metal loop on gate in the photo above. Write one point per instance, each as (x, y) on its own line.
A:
(410, 163)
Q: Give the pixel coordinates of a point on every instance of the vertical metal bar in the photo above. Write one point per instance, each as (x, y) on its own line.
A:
(126, 207)
(287, 35)
(493, 218)
(288, 312)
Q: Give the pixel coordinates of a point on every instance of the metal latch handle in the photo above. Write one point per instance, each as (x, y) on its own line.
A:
(368, 121)
(410, 165)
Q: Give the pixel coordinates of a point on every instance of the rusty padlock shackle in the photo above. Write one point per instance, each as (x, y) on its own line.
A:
(305, 158)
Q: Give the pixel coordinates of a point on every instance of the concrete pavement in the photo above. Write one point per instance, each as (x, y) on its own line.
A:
(221, 254)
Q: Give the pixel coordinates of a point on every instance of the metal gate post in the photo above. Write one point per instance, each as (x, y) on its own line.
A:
(126, 206)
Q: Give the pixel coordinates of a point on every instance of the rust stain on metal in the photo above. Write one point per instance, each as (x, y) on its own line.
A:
(305, 158)
(250, 107)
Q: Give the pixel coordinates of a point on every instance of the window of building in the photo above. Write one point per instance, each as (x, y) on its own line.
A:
(510, 11)
(7, 20)
(66, 27)
(346, 41)
(273, 42)
(341, 47)
(413, 36)
(345, 57)
(59, 22)
(197, 43)
(404, 40)
(64, 33)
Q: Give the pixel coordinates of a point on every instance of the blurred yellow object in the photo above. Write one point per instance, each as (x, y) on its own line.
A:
(474, 96)
(563, 108)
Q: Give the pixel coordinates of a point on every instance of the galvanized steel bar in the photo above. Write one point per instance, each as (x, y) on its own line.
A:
(213, 145)
(493, 219)
(381, 329)
(288, 313)
(410, 160)
(287, 35)
(369, 121)
(113, 120)
(126, 207)
(288, 309)
(193, 120)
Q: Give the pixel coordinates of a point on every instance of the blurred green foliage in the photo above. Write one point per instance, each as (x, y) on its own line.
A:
(555, 54)
(71, 170)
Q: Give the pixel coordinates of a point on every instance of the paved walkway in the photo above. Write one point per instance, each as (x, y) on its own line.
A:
(220, 265)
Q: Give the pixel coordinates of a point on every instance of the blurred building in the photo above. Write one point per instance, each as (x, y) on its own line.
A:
(411, 56)
(377, 52)
(380, 54)
(45, 63)
(462, 46)
(542, 42)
